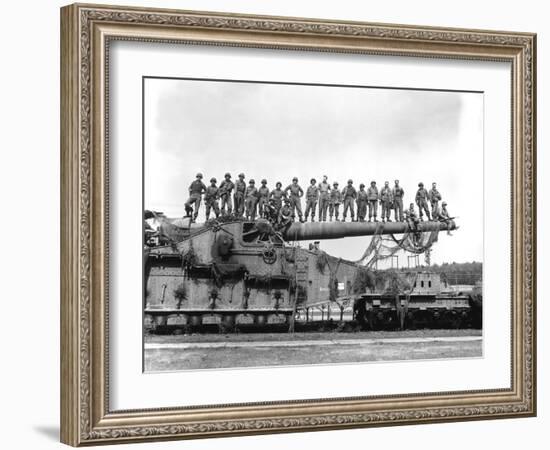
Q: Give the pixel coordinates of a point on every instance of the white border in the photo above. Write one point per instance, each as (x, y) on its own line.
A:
(131, 389)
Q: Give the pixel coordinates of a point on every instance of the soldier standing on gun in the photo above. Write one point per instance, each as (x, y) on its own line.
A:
(226, 187)
(211, 199)
(372, 197)
(422, 201)
(295, 193)
(196, 189)
(263, 197)
(349, 194)
(386, 201)
(312, 196)
(251, 199)
(434, 197)
(238, 197)
(361, 203)
(276, 196)
(324, 198)
(335, 200)
(398, 194)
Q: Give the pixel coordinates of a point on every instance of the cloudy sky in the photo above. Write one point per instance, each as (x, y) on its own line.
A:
(279, 131)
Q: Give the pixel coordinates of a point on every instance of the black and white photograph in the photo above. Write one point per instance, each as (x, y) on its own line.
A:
(294, 224)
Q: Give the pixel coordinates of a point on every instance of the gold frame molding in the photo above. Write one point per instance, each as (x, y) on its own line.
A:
(86, 31)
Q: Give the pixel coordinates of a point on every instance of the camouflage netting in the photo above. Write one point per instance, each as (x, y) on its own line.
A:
(385, 246)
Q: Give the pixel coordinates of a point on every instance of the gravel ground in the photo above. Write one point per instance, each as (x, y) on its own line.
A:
(280, 337)
(172, 353)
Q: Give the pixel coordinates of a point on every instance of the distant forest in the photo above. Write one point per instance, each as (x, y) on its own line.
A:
(454, 273)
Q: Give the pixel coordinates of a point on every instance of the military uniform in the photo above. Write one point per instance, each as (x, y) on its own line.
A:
(285, 216)
(211, 201)
(361, 205)
(238, 197)
(444, 216)
(324, 200)
(196, 190)
(386, 201)
(226, 187)
(295, 203)
(434, 197)
(312, 196)
(410, 216)
(422, 202)
(276, 196)
(251, 200)
(398, 194)
(349, 194)
(263, 197)
(372, 197)
(334, 202)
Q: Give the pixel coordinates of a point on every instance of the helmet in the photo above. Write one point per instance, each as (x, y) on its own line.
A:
(373, 182)
(335, 183)
(241, 175)
(264, 181)
(295, 179)
(313, 180)
(386, 182)
(397, 181)
(361, 185)
(350, 181)
(444, 204)
(227, 175)
(251, 181)
(213, 180)
(199, 175)
(279, 184)
(420, 184)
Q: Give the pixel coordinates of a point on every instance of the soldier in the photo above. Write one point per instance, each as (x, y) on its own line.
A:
(211, 199)
(434, 197)
(422, 201)
(226, 187)
(263, 197)
(238, 197)
(335, 200)
(324, 198)
(398, 194)
(295, 193)
(251, 200)
(312, 196)
(286, 214)
(411, 218)
(196, 189)
(386, 200)
(372, 197)
(444, 216)
(276, 196)
(361, 203)
(349, 194)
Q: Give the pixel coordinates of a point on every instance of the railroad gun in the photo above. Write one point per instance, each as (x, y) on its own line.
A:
(235, 272)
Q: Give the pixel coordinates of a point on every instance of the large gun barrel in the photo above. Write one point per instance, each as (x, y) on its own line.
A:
(336, 230)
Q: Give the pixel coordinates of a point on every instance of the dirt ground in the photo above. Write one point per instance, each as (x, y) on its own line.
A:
(209, 351)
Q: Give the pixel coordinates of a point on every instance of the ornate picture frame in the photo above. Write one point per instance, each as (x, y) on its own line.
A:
(86, 33)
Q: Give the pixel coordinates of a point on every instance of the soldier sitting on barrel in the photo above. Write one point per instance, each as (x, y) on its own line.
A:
(446, 218)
